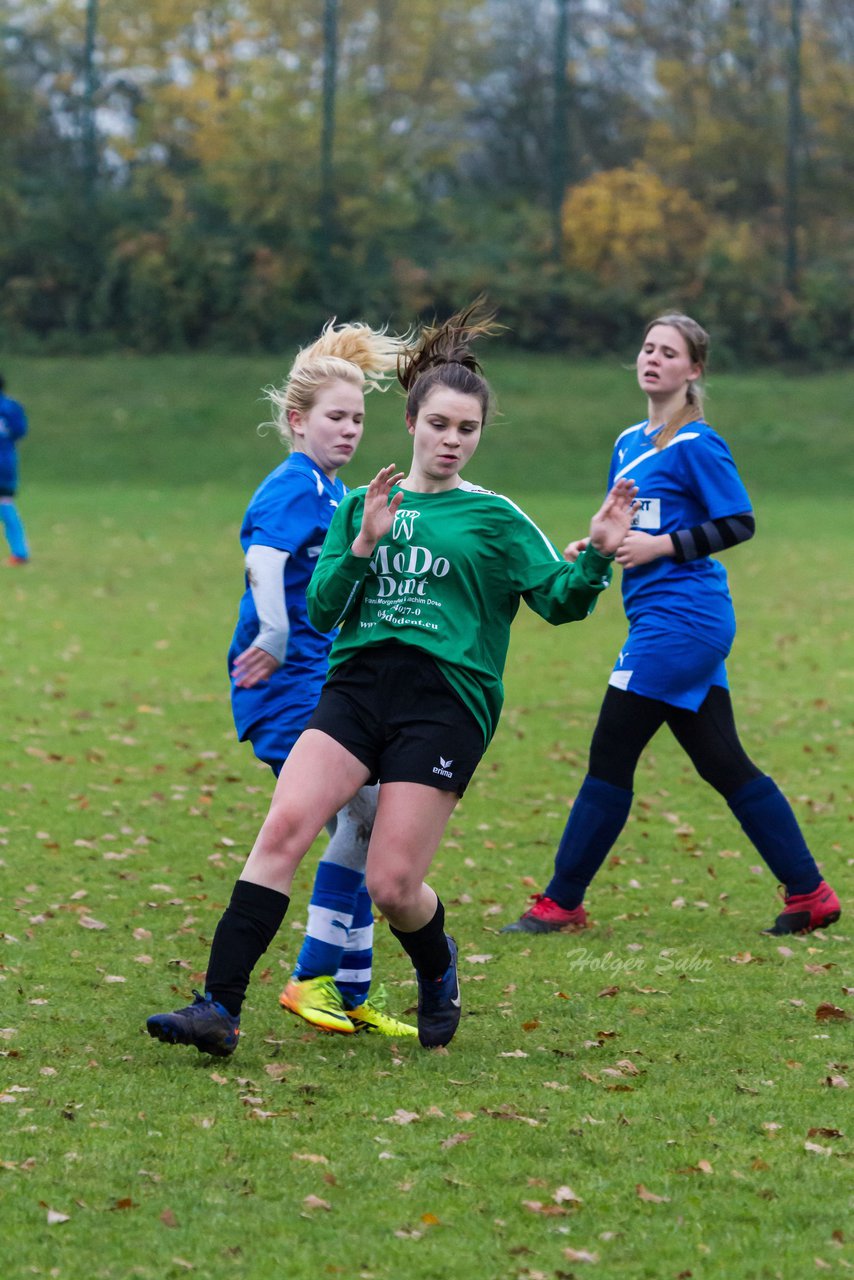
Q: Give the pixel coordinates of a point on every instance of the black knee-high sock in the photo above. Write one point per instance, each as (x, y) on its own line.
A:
(248, 925)
(427, 947)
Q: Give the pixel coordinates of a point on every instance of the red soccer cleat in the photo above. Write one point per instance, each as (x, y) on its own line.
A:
(805, 912)
(545, 916)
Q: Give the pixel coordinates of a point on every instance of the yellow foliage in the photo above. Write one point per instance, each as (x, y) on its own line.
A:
(627, 226)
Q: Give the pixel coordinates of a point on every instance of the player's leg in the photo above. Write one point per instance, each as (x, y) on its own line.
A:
(410, 822)
(710, 738)
(332, 976)
(14, 530)
(599, 812)
(318, 778)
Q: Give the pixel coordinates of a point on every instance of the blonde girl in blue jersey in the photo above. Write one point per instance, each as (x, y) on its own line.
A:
(671, 669)
(278, 661)
(424, 572)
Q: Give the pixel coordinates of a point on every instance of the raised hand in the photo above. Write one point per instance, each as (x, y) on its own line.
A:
(613, 520)
(379, 510)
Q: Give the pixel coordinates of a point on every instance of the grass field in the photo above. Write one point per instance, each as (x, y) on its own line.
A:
(661, 1096)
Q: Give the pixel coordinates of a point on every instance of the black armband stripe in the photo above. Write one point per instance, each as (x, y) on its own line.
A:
(713, 535)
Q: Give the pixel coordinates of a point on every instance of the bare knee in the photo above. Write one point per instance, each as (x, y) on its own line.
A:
(393, 893)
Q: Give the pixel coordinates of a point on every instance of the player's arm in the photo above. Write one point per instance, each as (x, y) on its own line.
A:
(686, 544)
(712, 536)
(265, 568)
(336, 585)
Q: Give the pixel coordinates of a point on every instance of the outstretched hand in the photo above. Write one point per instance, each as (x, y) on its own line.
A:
(379, 511)
(613, 520)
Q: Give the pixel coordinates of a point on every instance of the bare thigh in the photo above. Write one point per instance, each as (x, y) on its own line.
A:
(318, 778)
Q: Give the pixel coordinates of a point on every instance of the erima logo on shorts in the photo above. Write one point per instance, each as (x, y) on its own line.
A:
(443, 768)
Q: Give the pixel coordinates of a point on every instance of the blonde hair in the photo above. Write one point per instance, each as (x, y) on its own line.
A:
(697, 342)
(353, 353)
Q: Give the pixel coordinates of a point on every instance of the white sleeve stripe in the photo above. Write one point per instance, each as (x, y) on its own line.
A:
(650, 453)
(551, 550)
(631, 430)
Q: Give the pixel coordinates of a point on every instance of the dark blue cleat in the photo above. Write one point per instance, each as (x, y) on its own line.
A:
(439, 1004)
(204, 1023)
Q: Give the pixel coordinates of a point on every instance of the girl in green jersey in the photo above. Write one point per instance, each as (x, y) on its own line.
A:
(423, 572)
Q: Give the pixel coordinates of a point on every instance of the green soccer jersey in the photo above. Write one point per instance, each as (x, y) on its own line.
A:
(448, 580)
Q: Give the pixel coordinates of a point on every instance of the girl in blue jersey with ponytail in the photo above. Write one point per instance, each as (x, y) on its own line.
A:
(671, 669)
(278, 660)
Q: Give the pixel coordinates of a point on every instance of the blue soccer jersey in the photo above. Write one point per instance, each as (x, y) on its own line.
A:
(13, 425)
(290, 511)
(681, 619)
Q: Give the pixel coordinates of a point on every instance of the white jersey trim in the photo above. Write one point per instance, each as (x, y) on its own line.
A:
(650, 453)
(474, 488)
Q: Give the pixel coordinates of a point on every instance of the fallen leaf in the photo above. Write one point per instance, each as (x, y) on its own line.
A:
(87, 922)
(566, 1195)
(827, 1012)
(168, 1218)
(643, 1193)
(825, 1133)
(54, 1218)
(817, 1150)
(547, 1210)
(455, 1139)
(402, 1117)
(477, 959)
(310, 1157)
(315, 1202)
(580, 1255)
(608, 991)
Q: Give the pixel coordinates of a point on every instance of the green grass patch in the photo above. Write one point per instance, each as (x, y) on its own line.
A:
(653, 1098)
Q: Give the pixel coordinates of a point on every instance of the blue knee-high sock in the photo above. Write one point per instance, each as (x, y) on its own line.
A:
(14, 527)
(330, 916)
(597, 817)
(769, 823)
(353, 979)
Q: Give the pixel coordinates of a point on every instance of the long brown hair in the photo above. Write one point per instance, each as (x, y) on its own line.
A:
(440, 355)
(697, 342)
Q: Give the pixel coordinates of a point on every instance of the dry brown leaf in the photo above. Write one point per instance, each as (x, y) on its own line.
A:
(402, 1117)
(309, 1156)
(643, 1193)
(566, 1195)
(547, 1210)
(825, 1133)
(455, 1139)
(608, 991)
(168, 1218)
(817, 1150)
(315, 1202)
(580, 1255)
(827, 1012)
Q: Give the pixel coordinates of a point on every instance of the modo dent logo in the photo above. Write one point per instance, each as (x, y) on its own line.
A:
(404, 522)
